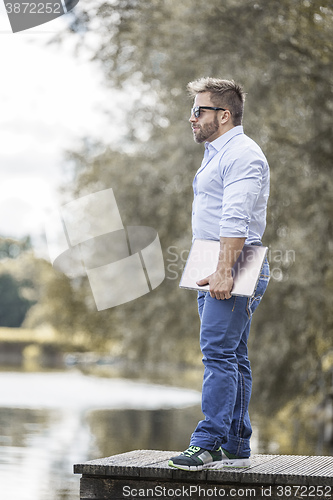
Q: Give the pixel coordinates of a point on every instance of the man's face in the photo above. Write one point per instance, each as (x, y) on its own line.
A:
(207, 127)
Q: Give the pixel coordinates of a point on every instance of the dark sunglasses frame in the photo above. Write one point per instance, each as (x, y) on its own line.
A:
(196, 110)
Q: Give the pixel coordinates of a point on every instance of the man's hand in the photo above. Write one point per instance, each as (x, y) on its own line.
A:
(220, 285)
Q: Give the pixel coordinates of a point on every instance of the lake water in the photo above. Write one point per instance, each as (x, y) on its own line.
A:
(49, 421)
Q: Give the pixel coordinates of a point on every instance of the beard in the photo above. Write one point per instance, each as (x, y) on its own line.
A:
(205, 131)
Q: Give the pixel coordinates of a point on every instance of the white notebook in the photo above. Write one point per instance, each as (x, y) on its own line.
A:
(203, 258)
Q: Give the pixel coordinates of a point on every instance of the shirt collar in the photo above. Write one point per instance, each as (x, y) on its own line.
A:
(224, 138)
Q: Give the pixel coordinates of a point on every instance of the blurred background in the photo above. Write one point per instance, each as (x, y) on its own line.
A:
(95, 100)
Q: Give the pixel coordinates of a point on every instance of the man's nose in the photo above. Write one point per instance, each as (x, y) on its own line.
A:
(192, 118)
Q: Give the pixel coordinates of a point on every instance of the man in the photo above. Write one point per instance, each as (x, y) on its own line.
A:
(231, 190)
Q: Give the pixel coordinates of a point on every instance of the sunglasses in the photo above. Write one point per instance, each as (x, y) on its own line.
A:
(197, 109)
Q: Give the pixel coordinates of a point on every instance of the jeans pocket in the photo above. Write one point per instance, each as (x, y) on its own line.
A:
(255, 300)
(201, 301)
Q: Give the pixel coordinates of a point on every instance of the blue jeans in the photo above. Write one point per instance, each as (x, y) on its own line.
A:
(227, 382)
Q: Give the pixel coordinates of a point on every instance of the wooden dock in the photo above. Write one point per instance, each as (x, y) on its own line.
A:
(146, 474)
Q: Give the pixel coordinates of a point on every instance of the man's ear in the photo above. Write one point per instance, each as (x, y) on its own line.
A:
(226, 116)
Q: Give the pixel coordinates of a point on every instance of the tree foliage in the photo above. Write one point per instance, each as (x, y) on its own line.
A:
(281, 51)
(11, 248)
(15, 292)
(13, 306)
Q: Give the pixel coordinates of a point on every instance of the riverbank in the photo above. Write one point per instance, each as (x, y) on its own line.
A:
(34, 350)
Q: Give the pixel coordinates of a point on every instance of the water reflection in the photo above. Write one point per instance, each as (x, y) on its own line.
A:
(48, 422)
(37, 453)
(128, 430)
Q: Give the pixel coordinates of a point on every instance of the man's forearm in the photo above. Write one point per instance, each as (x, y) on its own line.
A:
(230, 249)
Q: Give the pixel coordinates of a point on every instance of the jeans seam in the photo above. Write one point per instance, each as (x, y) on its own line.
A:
(241, 413)
(248, 307)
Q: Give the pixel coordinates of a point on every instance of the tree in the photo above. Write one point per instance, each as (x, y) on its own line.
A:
(282, 53)
(13, 307)
(12, 248)
(14, 303)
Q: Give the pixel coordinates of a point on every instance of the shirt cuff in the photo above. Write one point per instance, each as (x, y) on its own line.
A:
(234, 228)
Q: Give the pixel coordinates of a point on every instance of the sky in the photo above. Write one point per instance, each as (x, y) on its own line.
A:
(49, 100)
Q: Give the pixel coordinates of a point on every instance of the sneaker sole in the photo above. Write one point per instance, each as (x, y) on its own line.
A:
(236, 463)
(192, 468)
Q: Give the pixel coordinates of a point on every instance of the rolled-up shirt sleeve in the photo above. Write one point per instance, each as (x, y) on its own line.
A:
(242, 181)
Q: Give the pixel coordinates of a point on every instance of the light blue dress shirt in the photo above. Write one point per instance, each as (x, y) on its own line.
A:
(231, 189)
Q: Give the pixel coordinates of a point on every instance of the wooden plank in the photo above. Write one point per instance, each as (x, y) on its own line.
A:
(327, 471)
(312, 471)
(310, 466)
(151, 466)
(236, 474)
(107, 489)
(122, 464)
(277, 464)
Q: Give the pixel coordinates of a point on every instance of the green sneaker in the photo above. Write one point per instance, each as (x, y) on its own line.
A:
(195, 458)
(230, 460)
